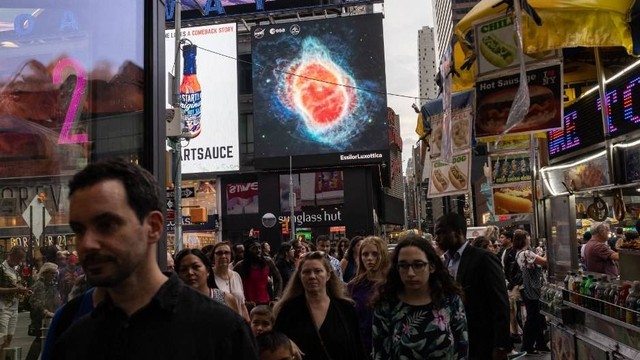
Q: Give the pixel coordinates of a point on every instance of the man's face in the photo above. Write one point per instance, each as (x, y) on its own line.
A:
(239, 253)
(446, 238)
(111, 241)
(16, 258)
(505, 241)
(323, 245)
(254, 249)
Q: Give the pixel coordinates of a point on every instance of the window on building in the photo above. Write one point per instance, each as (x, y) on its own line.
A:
(245, 76)
(245, 129)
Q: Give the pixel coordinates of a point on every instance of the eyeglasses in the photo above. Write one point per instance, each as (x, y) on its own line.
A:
(417, 266)
(222, 253)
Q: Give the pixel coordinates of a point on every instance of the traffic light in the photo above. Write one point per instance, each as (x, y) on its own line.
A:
(285, 225)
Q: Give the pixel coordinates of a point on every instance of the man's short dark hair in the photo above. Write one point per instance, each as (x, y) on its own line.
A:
(322, 238)
(272, 341)
(508, 234)
(143, 192)
(455, 222)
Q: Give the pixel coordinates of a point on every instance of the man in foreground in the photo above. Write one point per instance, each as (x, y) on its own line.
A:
(116, 213)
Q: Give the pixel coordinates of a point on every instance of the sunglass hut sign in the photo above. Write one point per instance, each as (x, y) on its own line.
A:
(333, 217)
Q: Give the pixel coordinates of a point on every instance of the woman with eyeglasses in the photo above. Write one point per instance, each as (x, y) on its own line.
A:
(44, 301)
(226, 279)
(316, 313)
(419, 313)
(372, 270)
(194, 268)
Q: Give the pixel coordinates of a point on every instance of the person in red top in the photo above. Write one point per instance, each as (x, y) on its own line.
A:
(597, 254)
(255, 270)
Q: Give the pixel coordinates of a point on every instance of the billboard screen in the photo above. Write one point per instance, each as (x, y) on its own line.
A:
(193, 9)
(319, 92)
(215, 149)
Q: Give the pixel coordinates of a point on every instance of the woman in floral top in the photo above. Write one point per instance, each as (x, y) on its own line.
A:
(419, 313)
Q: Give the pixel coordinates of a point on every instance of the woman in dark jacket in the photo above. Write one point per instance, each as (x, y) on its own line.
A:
(286, 262)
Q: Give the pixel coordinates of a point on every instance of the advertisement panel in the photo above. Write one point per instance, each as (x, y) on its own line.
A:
(510, 168)
(312, 189)
(450, 179)
(513, 199)
(215, 148)
(497, 48)
(462, 117)
(494, 98)
(242, 198)
(313, 97)
(236, 8)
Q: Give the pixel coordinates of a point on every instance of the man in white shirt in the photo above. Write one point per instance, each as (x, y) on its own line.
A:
(323, 243)
(10, 290)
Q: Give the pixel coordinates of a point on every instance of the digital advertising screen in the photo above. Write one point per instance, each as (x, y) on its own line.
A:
(624, 103)
(319, 93)
(215, 146)
(233, 8)
(582, 128)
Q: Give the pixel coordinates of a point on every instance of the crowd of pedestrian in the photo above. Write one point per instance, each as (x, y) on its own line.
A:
(440, 297)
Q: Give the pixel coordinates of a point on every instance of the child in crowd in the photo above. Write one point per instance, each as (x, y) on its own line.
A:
(262, 319)
(274, 345)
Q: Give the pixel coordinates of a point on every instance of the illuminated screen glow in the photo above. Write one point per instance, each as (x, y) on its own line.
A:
(319, 87)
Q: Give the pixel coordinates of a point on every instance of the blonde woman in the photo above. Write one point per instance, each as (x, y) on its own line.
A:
(373, 264)
(316, 314)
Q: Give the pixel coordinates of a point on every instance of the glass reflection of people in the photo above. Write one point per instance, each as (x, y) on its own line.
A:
(316, 314)
(10, 290)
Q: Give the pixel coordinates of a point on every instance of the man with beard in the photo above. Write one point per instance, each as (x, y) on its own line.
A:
(116, 212)
(485, 292)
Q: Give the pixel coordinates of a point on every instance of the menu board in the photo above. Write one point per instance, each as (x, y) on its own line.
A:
(582, 128)
(624, 104)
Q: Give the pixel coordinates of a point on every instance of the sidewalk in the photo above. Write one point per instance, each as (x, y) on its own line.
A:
(21, 339)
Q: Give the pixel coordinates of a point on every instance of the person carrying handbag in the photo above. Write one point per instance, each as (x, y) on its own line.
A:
(531, 264)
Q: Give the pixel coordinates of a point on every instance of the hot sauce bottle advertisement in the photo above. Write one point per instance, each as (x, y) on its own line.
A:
(319, 87)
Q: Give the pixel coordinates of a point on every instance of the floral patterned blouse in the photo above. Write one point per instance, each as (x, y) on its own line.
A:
(403, 332)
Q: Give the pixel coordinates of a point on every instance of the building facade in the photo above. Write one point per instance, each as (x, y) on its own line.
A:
(427, 63)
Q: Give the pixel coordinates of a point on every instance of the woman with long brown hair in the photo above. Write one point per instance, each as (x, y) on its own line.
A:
(316, 314)
(419, 314)
(372, 270)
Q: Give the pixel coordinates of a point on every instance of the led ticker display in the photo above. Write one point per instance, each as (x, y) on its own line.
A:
(582, 128)
(623, 95)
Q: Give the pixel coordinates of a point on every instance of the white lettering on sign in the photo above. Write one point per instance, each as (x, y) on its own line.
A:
(238, 188)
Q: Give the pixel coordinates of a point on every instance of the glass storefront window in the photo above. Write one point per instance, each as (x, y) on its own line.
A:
(71, 92)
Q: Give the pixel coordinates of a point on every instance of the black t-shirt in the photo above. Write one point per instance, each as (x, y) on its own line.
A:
(178, 323)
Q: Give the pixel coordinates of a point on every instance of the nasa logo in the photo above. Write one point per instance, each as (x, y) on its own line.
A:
(258, 33)
(295, 29)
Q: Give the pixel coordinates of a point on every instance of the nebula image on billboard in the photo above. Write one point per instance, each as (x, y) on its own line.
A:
(319, 87)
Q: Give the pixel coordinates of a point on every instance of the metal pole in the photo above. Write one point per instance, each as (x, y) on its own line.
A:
(292, 200)
(533, 163)
(604, 109)
(177, 194)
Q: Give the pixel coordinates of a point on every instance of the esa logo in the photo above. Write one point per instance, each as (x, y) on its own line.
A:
(258, 33)
(274, 31)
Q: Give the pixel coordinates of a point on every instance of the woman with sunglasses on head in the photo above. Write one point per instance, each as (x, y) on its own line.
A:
(226, 279)
(372, 270)
(194, 268)
(317, 315)
(419, 313)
